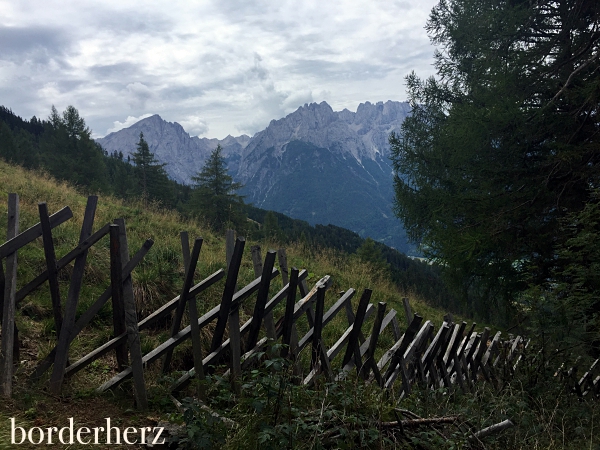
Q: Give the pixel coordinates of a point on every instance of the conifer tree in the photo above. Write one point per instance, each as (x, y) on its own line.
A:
(214, 195)
(152, 178)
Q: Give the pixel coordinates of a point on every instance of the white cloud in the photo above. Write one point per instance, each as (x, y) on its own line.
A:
(234, 64)
(126, 123)
(194, 125)
(137, 95)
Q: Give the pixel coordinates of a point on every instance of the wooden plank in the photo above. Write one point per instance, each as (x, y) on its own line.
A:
(288, 320)
(193, 311)
(62, 349)
(476, 363)
(235, 350)
(434, 349)
(261, 301)
(467, 342)
(229, 246)
(419, 369)
(353, 345)
(370, 357)
(396, 329)
(256, 260)
(89, 314)
(228, 293)
(258, 269)
(395, 353)
(317, 329)
(8, 315)
(365, 345)
(143, 324)
(260, 345)
(2, 286)
(51, 266)
(118, 303)
(283, 266)
(21, 239)
(63, 262)
(454, 342)
(131, 323)
(183, 299)
(310, 312)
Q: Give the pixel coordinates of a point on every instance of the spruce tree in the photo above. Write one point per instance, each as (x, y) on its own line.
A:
(214, 195)
(153, 182)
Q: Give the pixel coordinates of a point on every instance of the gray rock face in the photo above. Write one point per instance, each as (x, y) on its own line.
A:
(315, 164)
(361, 136)
(171, 144)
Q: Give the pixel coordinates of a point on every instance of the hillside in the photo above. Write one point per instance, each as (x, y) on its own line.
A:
(156, 281)
(159, 279)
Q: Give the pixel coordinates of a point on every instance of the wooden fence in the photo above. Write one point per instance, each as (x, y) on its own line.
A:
(453, 355)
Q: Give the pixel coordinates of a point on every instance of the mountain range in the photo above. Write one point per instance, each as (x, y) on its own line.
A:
(315, 164)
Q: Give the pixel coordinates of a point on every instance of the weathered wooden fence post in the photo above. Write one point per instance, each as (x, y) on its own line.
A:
(193, 311)
(261, 301)
(118, 305)
(183, 299)
(131, 321)
(62, 349)
(9, 330)
(51, 266)
(228, 291)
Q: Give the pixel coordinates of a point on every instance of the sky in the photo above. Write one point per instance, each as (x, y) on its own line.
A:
(216, 67)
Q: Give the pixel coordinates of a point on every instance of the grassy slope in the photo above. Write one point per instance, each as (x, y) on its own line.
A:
(156, 281)
(546, 416)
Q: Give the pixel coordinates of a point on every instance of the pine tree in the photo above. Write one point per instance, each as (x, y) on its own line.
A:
(213, 197)
(271, 229)
(153, 182)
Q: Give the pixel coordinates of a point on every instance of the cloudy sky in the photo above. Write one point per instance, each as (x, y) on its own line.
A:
(216, 67)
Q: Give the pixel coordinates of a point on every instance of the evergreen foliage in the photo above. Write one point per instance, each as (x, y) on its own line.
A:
(213, 197)
(271, 229)
(503, 144)
(370, 253)
(152, 179)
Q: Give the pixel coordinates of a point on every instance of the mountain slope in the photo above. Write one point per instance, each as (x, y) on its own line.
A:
(327, 167)
(315, 164)
(171, 144)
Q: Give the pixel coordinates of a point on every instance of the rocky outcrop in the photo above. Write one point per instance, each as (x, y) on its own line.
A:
(171, 144)
(315, 164)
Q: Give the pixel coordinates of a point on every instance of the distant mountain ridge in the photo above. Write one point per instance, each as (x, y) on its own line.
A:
(315, 164)
(171, 144)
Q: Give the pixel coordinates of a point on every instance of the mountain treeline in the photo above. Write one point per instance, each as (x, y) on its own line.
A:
(62, 146)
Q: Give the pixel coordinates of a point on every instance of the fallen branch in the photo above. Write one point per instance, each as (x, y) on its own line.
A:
(419, 422)
(497, 428)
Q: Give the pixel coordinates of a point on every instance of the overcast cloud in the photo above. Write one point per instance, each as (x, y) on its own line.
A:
(216, 67)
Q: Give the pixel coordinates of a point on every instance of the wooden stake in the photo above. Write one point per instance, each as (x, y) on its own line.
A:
(62, 349)
(8, 315)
